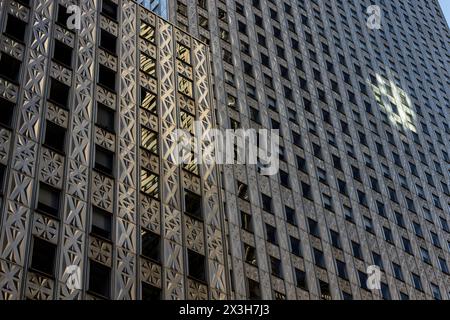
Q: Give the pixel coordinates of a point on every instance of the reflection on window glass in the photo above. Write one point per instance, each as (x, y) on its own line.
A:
(187, 121)
(147, 32)
(148, 65)
(184, 53)
(149, 140)
(190, 164)
(149, 183)
(148, 100)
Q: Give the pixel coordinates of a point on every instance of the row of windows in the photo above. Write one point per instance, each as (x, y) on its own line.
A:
(301, 277)
(99, 276)
(321, 173)
(285, 182)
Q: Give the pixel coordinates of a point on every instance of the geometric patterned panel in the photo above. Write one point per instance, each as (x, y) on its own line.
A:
(150, 214)
(126, 237)
(14, 233)
(45, 228)
(5, 138)
(100, 251)
(52, 168)
(102, 191)
(151, 273)
(194, 235)
(197, 291)
(39, 288)
(72, 172)
(11, 276)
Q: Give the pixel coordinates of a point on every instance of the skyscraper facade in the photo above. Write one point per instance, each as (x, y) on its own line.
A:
(360, 92)
(92, 206)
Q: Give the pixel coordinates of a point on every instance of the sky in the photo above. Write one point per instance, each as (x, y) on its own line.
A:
(445, 4)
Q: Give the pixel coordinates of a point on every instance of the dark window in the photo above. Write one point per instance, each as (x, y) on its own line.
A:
(48, 201)
(368, 224)
(43, 259)
(151, 245)
(275, 266)
(418, 229)
(377, 260)
(319, 258)
(403, 296)
(443, 265)
(196, 265)
(101, 223)
(313, 228)
(362, 279)
(335, 239)
(254, 291)
(436, 291)
(271, 233)
(290, 215)
(356, 249)
(109, 9)
(267, 203)
(324, 290)
(306, 191)
(295, 246)
(54, 136)
(246, 222)
(417, 282)
(284, 179)
(250, 254)
(296, 139)
(105, 117)
(150, 293)
(59, 93)
(425, 255)
(15, 28)
(242, 190)
(337, 163)
(388, 235)
(385, 293)
(108, 42)
(341, 269)
(104, 160)
(6, 112)
(407, 245)
(300, 277)
(99, 279)
(399, 219)
(107, 78)
(63, 16)
(381, 209)
(317, 151)
(435, 239)
(342, 187)
(9, 67)
(193, 204)
(347, 296)
(398, 274)
(348, 212)
(62, 53)
(301, 164)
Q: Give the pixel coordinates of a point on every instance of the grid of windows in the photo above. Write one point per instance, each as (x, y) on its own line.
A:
(379, 126)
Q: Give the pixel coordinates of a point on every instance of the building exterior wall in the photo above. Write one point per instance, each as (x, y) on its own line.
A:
(369, 98)
(144, 191)
(365, 126)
